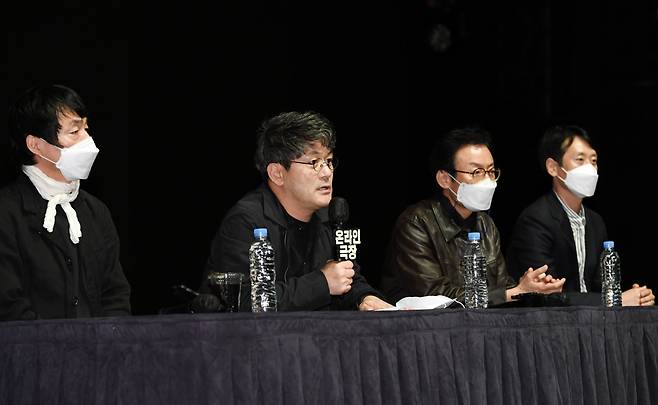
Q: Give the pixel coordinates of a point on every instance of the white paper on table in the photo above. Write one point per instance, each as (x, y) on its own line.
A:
(426, 302)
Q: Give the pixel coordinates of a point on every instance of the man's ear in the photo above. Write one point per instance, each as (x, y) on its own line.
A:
(443, 179)
(552, 167)
(276, 173)
(33, 144)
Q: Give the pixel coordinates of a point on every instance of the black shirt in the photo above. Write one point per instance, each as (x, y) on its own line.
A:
(298, 234)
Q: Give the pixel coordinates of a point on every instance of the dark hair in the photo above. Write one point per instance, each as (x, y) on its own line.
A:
(445, 148)
(285, 137)
(556, 141)
(36, 112)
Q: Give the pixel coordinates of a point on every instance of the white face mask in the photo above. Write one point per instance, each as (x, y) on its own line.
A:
(581, 181)
(75, 162)
(476, 197)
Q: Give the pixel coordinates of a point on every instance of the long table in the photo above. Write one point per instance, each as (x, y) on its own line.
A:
(556, 355)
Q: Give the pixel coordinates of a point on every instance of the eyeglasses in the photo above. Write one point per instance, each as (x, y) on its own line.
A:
(317, 164)
(479, 173)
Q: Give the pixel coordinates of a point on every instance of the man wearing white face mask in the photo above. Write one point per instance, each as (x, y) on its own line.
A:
(429, 237)
(558, 230)
(59, 249)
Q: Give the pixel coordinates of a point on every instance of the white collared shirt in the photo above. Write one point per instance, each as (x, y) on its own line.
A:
(577, 221)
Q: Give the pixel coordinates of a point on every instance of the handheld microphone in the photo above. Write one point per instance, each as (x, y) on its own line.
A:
(345, 239)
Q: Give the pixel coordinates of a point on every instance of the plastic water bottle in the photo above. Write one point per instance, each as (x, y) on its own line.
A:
(610, 268)
(262, 273)
(474, 268)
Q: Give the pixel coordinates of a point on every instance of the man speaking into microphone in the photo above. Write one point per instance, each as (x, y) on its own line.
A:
(294, 155)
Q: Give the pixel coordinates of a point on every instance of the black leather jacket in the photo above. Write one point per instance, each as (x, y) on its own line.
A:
(425, 250)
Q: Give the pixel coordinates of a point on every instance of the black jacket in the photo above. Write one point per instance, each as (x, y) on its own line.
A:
(426, 248)
(296, 289)
(542, 235)
(43, 274)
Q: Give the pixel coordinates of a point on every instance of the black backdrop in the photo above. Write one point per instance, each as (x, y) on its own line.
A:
(176, 93)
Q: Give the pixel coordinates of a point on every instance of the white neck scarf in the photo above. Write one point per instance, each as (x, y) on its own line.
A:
(56, 192)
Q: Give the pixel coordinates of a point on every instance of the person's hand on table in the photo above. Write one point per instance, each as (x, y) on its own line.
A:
(638, 296)
(371, 303)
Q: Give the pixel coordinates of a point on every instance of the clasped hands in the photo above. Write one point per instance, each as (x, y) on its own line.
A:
(638, 296)
(537, 280)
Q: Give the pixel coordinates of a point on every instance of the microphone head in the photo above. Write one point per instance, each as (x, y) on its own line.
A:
(205, 303)
(339, 211)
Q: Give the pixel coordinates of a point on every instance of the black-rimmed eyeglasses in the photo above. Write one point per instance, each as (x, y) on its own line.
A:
(479, 173)
(317, 164)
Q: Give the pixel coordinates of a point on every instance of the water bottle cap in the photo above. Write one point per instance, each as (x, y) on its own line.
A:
(474, 236)
(608, 244)
(260, 233)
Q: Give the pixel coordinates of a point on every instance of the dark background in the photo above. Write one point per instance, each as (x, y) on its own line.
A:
(175, 95)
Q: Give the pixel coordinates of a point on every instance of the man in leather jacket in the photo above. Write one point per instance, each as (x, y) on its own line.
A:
(295, 157)
(429, 237)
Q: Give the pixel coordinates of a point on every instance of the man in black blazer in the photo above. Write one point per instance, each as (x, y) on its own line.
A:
(557, 229)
